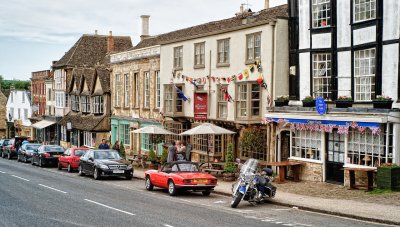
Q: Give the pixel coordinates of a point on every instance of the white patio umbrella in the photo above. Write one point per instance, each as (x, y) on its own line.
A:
(207, 129)
(153, 130)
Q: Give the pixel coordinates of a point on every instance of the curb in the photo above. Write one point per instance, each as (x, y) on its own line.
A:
(356, 217)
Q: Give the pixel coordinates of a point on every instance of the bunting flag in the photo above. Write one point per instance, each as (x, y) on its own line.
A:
(246, 74)
(227, 96)
(180, 94)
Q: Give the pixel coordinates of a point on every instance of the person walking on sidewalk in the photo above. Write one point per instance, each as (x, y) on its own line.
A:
(171, 152)
(104, 144)
(116, 146)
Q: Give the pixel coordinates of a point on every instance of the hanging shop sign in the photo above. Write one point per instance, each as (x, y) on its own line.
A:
(200, 106)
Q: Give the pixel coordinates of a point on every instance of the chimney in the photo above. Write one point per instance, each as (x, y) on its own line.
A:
(145, 27)
(110, 42)
(266, 4)
(95, 32)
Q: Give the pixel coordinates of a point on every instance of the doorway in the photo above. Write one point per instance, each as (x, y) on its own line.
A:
(285, 145)
(335, 158)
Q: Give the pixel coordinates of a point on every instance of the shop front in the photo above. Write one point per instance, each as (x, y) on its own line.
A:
(327, 144)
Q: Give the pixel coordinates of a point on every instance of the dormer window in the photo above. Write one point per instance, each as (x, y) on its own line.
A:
(75, 103)
(98, 105)
(85, 103)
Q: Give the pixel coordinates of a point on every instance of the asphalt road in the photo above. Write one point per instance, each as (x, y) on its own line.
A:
(33, 196)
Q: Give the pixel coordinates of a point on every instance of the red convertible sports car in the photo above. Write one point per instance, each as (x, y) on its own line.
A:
(180, 175)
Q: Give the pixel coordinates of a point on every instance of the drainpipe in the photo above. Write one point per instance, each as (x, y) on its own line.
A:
(209, 89)
(273, 63)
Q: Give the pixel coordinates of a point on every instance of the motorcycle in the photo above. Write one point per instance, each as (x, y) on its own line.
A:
(251, 185)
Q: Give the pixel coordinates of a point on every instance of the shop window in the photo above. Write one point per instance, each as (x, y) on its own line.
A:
(177, 128)
(146, 142)
(124, 134)
(321, 13)
(306, 144)
(367, 149)
(248, 100)
(322, 75)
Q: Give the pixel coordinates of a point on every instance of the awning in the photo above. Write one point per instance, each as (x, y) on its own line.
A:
(43, 124)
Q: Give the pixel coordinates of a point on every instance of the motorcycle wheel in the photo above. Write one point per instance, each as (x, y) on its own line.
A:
(236, 199)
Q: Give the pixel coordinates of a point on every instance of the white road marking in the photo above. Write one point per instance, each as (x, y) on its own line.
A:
(283, 209)
(288, 224)
(220, 201)
(112, 208)
(185, 200)
(20, 178)
(52, 188)
(168, 225)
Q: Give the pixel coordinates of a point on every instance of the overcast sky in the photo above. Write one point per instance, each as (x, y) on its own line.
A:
(33, 33)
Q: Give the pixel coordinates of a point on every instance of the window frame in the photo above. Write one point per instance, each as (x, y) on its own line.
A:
(125, 134)
(157, 89)
(127, 89)
(98, 104)
(178, 58)
(223, 48)
(371, 77)
(372, 10)
(253, 47)
(309, 136)
(117, 98)
(199, 57)
(248, 101)
(326, 78)
(316, 11)
(136, 93)
(85, 103)
(222, 102)
(146, 90)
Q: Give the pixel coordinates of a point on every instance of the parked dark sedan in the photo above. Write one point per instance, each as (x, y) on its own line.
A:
(47, 155)
(102, 163)
(3, 143)
(26, 151)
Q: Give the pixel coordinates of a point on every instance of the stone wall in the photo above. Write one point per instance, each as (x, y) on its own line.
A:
(3, 115)
(311, 171)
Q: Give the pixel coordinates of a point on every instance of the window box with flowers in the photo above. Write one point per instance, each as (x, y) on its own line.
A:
(382, 102)
(388, 177)
(344, 102)
(282, 100)
(308, 101)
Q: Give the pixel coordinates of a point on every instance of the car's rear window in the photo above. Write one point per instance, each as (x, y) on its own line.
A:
(80, 152)
(188, 167)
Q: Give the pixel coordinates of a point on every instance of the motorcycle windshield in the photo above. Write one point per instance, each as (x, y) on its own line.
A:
(250, 166)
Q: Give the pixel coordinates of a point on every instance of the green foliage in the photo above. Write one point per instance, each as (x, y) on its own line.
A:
(18, 84)
(164, 156)
(389, 165)
(152, 156)
(308, 99)
(252, 140)
(378, 191)
(283, 98)
(229, 160)
(122, 150)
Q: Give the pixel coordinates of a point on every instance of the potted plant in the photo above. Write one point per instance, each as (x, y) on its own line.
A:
(229, 167)
(344, 102)
(122, 150)
(153, 159)
(282, 100)
(164, 156)
(308, 101)
(382, 102)
(388, 177)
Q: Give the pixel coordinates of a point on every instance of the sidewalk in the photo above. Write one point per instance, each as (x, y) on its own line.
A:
(367, 211)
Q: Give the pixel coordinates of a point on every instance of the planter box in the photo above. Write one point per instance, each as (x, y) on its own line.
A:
(388, 178)
(229, 177)
(383, 104)
(343, 104)
(281, 102)
(309, 103)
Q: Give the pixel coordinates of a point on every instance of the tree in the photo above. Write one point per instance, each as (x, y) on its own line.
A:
(229, 166)
(122, 150)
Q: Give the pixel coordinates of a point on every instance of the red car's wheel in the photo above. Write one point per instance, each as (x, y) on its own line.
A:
(148, 184)
(171, 188)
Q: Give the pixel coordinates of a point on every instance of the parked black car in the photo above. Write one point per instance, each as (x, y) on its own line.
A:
(26, 151)
(47, 155)
(102, 163)
(3, 143)
(13, 146)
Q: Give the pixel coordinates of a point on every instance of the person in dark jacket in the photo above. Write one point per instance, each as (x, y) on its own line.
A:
(171, 152)
(104, 144)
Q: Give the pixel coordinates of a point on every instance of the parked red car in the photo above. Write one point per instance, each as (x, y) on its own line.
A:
(70, 159)
(180, 175)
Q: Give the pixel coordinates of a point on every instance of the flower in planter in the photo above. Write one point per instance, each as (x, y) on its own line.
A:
(345, 98)
(282, 98)
(308, 99)
(390, 165)
(382, 98)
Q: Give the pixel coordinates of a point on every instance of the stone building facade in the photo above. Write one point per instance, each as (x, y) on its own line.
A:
(3, 115)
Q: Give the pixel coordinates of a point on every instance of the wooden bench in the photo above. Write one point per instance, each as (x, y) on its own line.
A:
(370, 177)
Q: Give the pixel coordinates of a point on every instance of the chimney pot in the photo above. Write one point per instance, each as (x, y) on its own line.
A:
(266, 4)
(145, 27)
(95, 32)
(110, 33)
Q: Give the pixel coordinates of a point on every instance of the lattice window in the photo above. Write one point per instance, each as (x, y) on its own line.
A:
(322, 75)
(177, 128)
(321, 13)
(367, 149)
(364, 10)
(364, 74)
(306, 144)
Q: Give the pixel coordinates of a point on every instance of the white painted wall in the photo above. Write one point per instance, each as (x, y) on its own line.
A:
(364, 35)
(304, 24)
(19, 100)
(344, 73)
(343, 24)
(49, 103)
(390, 56)
(304, 60)
(391, 25)
(322, 40)
(237, 65)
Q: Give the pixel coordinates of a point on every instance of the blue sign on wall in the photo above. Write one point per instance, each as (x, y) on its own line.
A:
(320, 105)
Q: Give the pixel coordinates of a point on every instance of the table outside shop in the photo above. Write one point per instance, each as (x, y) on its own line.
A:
(282, 168)
(370, 177)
